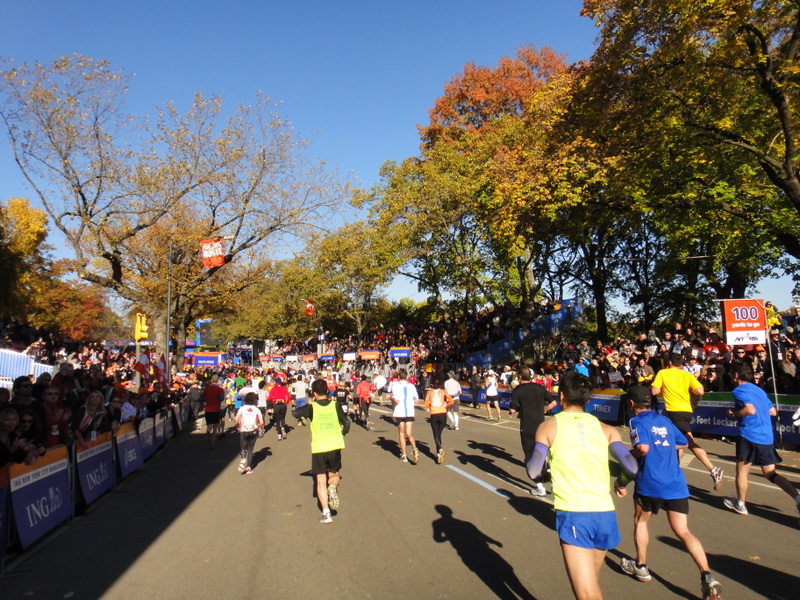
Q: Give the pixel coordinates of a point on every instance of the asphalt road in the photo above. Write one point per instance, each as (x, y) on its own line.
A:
(188, 525)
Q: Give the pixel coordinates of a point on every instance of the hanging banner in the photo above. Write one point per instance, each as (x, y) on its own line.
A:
(212, 253)
(744, 322)
(129, 452)
(327, 357)
(276, 358)
(400, 352)
(309, 357)
(292, 358)
(147, 437)
(96, 467)
(311, 307)
(349, 356)
(40, 495)
(369, 354)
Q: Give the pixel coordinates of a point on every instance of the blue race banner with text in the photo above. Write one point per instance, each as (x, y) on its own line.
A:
(159, 429)
(129, 452)
(147, 437)
(40, 494)
(96, 467)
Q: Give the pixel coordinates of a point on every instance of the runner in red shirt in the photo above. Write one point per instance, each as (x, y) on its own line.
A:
(214, 396)
(278, 399)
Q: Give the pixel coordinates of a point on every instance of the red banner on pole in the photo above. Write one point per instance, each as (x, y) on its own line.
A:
(212, 253)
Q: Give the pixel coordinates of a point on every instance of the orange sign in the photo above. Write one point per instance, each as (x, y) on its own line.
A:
(744, 322)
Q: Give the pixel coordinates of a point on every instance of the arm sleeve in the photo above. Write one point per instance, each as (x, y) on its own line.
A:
(535, 464)
(626, 460)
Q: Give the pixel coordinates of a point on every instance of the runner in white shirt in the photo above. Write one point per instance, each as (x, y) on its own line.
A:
(453, 389)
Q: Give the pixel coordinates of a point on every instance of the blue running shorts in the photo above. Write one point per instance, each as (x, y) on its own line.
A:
(596, 530)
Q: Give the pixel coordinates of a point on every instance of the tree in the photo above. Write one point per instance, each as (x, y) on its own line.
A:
(694, 80)
(134, 199)
(22, 255)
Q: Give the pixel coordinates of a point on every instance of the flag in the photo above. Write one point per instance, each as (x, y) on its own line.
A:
(160, 372)
(212, 253)
(311, 307)
(142, 367)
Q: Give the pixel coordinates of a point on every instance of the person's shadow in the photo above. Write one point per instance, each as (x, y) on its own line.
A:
(473, 548)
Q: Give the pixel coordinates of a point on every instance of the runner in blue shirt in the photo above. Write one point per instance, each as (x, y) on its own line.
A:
(756, 444)
(660, 484)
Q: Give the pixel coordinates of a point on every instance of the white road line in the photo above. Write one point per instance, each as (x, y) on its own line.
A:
(481, 483)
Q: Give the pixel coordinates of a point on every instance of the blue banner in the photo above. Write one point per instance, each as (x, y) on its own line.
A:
(147, 437)
(40, 495)
(129, 452)
(168, 432)
(400, 352)
(159, 429)
(95, 466)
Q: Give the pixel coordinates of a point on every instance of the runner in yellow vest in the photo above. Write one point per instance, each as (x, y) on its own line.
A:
(578, 445)
(328, 425)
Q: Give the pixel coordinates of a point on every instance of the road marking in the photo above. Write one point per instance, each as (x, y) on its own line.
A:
(480, 482)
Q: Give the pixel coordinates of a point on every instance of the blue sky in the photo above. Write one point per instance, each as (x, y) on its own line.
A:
(356, 77)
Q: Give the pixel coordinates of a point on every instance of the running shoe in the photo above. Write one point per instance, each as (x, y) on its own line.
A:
(370, 426)
(440, 456)
(716, 477)
(326, 518)
(538, 490)
(414, 455)
(242, 465)
(280, 437)
(248, 471)
(333, 497)
(710, 587)
(631, 568)
(403, 458)
(735, 505)
(796, 418)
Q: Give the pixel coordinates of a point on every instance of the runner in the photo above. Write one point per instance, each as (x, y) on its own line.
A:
(279, 399)
(491, 394)
(660, 483)
(675, 384)
(404, 396)
(248, 423)
(437, 402)
(578, 446)
(755, 445)
(300, 391)
(531, 401)
(364, 392)
(328, 425)
(453, 389)
(380, 383)
(214, 396)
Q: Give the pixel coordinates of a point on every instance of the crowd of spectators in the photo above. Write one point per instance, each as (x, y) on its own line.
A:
(93, 389)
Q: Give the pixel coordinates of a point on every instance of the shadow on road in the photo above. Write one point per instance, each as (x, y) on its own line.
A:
(532, 507)
(487, 465)
(679, 592)
(494, 450)
(770, 513)
(756, 576)
(473, 548)
(145, 505)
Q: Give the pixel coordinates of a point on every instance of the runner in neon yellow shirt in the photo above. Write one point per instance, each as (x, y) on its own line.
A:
(675, 384)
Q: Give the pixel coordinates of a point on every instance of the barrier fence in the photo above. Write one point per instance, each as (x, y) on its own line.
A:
(710, 414)
(36, 499)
